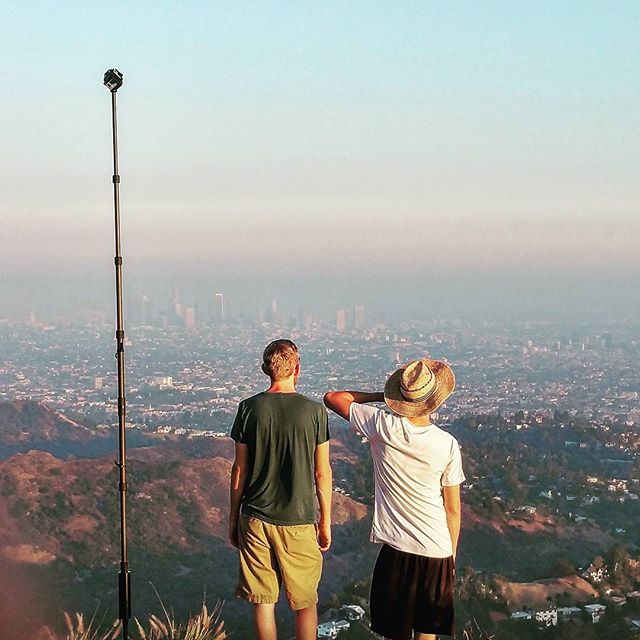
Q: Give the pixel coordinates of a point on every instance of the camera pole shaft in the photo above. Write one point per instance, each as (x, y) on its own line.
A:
(113, 81)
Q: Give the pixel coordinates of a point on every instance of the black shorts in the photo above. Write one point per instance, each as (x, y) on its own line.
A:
(411, 592)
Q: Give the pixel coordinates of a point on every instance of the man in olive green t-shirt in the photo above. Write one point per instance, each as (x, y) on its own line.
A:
(282, 450)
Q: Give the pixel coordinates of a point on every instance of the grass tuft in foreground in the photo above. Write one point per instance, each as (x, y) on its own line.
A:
(205, 625)
(78, 630)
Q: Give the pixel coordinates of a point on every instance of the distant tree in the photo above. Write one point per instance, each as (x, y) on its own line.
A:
(619, 570)
(471, 422)
(495, 509)
(466, 581)
(562, 567)
(617, 558)
(359, 588)
(516, 489)
(576, 631)
(613, 625)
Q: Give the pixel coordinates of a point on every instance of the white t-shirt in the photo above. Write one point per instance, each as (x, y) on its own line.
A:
(411, 465)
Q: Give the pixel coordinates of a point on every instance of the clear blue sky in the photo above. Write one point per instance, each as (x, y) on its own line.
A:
(342, 136)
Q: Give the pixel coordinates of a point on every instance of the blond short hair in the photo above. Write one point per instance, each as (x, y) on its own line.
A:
(279, 359)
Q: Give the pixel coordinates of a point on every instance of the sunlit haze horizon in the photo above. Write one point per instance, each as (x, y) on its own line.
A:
(474, 160)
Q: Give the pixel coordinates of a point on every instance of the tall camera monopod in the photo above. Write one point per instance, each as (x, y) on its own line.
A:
(113, 81)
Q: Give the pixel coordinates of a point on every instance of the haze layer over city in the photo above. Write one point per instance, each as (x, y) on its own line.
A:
(341, 150)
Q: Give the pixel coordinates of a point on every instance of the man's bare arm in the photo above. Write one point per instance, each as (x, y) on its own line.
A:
(239, 473)
(324, 489)
(340, 401)
(453, 509)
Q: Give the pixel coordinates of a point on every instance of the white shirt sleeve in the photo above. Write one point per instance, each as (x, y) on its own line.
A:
(453, 473)
(363, 419)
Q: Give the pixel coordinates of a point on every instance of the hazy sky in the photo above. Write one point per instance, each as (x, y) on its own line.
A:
(415, 140)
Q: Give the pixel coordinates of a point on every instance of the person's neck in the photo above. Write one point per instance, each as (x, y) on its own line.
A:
(288, 385)
(421, 421)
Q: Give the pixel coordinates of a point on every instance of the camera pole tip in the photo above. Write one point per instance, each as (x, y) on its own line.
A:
(113, 80)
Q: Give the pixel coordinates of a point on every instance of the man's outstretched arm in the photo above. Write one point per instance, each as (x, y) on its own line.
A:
(324, 489)
(239, 473)
(453, 509)
(340, 401)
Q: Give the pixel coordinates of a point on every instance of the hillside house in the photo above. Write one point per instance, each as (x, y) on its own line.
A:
(547, 616)
(596, 611)
(352, 612)
(596, 575)
(528, 509)
(568, 613)
(521, 615)
(332, 629)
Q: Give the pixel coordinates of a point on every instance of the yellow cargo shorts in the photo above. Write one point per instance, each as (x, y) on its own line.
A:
(273, 555)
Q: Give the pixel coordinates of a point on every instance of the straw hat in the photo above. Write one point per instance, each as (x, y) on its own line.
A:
(419, 388)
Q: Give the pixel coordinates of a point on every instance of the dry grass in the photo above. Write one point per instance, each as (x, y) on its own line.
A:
(78, 630)
(205, 625)
(539, 593)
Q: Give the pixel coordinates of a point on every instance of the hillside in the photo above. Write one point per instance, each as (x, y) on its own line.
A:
(60, 535)
(26, 425)
(27, 421)
(527, 549)
(541, 592)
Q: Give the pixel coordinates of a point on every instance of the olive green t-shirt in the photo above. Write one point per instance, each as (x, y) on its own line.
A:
(281, 431)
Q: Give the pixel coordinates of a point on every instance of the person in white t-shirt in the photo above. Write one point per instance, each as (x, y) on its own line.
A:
(417, 472)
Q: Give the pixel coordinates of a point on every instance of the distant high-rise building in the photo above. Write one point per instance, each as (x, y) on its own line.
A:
(190, 318)
(341, 321)
(272, 313)
(215, 309)
(98, 383)
(306, 321)
(219, 298)
(147, 311)
(358, 317)
(176, 306)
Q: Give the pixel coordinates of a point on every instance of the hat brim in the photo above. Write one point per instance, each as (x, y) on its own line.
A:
(445, 385)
